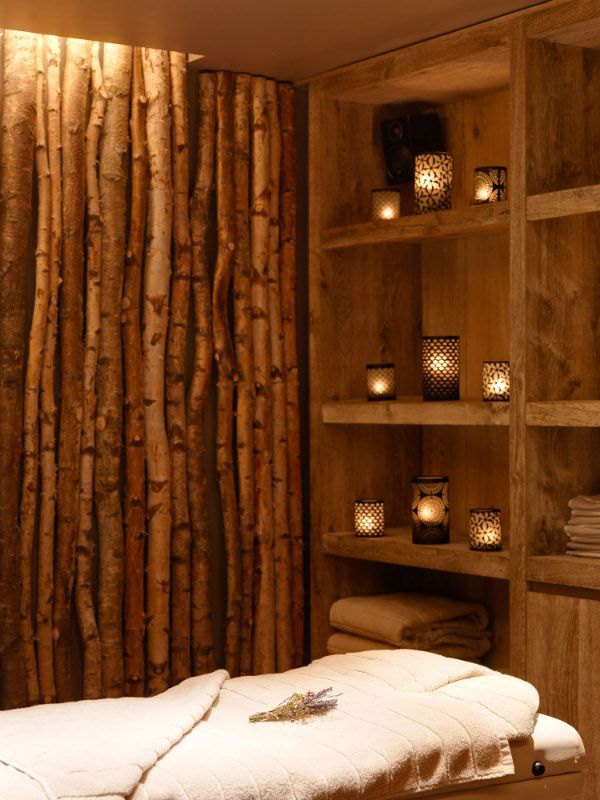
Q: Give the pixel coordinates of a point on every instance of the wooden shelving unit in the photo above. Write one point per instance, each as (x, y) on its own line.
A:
(565, 203)
(563, 413)
(565, 571)
(414, 411)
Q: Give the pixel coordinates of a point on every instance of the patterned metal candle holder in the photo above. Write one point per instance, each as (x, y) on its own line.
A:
(496, 381)
(485, 530)
(433, 182)
(381, 382)
(369, 518)
(490, 184)
(441, 367)
(430, 510)
(385, 204)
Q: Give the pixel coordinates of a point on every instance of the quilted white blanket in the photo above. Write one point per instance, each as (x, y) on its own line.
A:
(406, 721)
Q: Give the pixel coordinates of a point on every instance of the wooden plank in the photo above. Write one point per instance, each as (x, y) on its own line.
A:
(414, 411)
(472, 220)
(396, 547)
(564, 570)
(563, 413)
(552, 205)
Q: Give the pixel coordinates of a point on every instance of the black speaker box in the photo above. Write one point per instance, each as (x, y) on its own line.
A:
(406, 137)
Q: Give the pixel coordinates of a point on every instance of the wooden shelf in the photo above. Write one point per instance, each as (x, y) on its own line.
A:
(396, 547)
(553, 205)
(563, 413)
(415, 411)
(470, 221)
(564, 570)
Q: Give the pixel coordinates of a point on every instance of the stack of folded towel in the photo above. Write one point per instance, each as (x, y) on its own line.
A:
(583, 529)
(413, 621)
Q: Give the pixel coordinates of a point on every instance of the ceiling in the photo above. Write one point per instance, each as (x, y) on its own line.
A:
(286, 39)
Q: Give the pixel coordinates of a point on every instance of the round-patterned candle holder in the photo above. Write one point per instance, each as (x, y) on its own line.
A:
(381, 382)
(490, 184)
(369, 518)
(433, 182)
(430, 510)
(441, 367)
(495, 381)
(485, 529)
(385, 204)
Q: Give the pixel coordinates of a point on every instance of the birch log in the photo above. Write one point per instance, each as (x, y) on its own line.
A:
(135, 459)
(203, 655)
(84, 599)
(264, 600)
(157, 271)
(226, 366)
(281, 534)
(16, 169)
(29, 491)
(242, 312)
(75, 89)
(176, 352)
(288, 305)
(45, 591)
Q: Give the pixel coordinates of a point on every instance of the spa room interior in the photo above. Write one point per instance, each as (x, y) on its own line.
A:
(300, 400)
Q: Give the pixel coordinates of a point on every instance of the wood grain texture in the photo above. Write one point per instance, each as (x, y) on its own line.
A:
(563, 413)
(564, 203)
(415, 411)
(564, 570)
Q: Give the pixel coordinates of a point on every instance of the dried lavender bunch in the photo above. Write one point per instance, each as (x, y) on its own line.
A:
(299, 706)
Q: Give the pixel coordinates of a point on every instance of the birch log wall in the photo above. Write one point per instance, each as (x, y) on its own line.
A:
(106, 585)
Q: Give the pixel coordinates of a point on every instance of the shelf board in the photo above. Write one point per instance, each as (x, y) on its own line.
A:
(563, 413)
(415, 411)
(564, 570)
(553, 205)
(396, 547)
(473, 220)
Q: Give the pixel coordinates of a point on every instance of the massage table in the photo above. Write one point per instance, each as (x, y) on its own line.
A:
(408, 725)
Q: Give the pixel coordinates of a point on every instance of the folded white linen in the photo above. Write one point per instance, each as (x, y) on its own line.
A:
(586, 502)
(452, 646)
(582, 530)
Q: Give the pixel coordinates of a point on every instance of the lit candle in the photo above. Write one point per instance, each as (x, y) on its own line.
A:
(369, 518)
(385, 204)
(381, 382)
(485, 529)
(490, 184)
(441, 367)
(433, 182)
(496, 380)
(430, 510)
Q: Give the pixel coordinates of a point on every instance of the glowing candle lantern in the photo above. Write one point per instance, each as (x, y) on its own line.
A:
(441, 367)
(433, 182)
(381, 382)
(496, 380)
(485, 529)
(369, 519)
(430, 510)
(385, 204)
(490, 184)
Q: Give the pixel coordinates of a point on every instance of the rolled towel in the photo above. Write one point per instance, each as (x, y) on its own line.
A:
(585, 502)
(339, 643)
(408, 620)
(582, 530)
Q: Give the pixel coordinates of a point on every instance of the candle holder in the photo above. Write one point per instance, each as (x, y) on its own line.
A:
(430, 510)
(496, 381)
(433, 182)
(485, 530)
(441, 367)
(385, 204)
(490, 184)
(381, 382)
(369, 518)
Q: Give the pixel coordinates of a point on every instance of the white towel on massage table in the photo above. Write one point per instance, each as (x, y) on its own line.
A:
(406, 721)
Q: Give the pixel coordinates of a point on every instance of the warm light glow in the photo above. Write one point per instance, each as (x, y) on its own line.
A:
(385, 204)
(439, 363)
(430, 510)
(490, 184)
(485, 529)
(369, 518)
(387, 212)
(483, 192)
(441, 367)
(379, 387)
(433, 182)
(496, 380)
(381, 382)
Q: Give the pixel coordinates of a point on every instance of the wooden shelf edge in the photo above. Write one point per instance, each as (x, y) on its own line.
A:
(563, 413)
(472, 220)
(415, 411)
(396, 547)
(564, 203)
(564, 570)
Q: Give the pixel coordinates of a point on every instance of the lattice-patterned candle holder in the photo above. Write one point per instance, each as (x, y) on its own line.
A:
(485, 529)
(433, 182)
(381, 382)
(430, 510)
(496, 381)
(385, 204)
(490, 184)
(441, 367)
(369, 518)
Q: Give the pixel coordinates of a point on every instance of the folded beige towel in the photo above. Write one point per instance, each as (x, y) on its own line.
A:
(586, 540)
(584, 553)
(582, 530)
(585, 519)
(408, 620)
(583, 545)
(453, 647)
(586, 502)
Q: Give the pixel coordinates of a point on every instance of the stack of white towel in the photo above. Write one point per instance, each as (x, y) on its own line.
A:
(583, 528)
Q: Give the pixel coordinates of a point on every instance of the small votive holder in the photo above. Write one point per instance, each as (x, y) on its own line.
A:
(385, 204)
(433, 182)
(496, 381)
(441, 367)
(485, 529)
(430, 510)
(369, 519)
(381, 382)
(490, 184)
